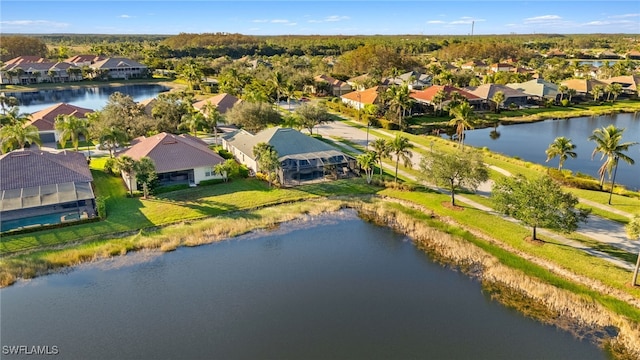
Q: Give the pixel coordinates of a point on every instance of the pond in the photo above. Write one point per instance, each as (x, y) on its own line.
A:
(529, 142)
(93, 97)
(333, 287)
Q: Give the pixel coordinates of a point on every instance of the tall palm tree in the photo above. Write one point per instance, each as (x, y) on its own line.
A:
(616, 90)
(571, 93)
(289, 92)
(463, 117)
(607, 141)
(8, 102)
(438, 99)
(562, 89)
(597, 91)
(70, 128)
(400, 148)
(192, 121)
(382, 149)
(17, 136)
(399, 100)
(278, 81)
(367, 161)
(212, 118)
(14, 116)
(113, 137)
(563, 148)
(498, 98)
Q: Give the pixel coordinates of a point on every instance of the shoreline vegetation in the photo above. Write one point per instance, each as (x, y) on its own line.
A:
(603, 315)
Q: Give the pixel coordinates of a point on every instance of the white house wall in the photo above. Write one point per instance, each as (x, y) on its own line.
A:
(200, 174)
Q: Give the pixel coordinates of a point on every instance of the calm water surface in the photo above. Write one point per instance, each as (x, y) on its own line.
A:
(94, 98)
(334, 288)
(529, 142)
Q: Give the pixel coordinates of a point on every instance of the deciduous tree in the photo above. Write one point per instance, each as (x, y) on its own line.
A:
(253, 117)
(311, 116)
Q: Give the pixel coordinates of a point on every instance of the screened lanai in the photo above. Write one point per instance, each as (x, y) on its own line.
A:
(297, 168)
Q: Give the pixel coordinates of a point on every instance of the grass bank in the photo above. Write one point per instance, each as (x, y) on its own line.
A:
(88, 83)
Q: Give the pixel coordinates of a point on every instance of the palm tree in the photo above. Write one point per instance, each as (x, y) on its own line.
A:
(607, 141)
(382, 149)
(126, 164)
(8, 102)
(113, 137)
(563, 148)
(192, 73)
(597, 91)
(463, 117)
(289, 92)
(616, 90)
(562, 89)
(400, 147)
(211, 118)
(571, 93)
(278, 81)
(438, 98)
(498, 98)
(367, 162)
(192, 121)
(17, 136)
(13, 116)
(399, 100)
(70, 128)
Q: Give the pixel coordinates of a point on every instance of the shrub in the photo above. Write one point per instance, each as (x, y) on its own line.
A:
(225, 154)
(565, 102)
(210, 182)
(388, 125)
(101, 206)
(109, 166)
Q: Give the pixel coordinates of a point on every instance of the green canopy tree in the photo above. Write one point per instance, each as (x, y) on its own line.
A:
(267, 159)
(454, 170)
(145, 171)
(561, 147)
(253, 117)
(400, 147)
(537, 203)
(71, 128)
(17, 136)
(633, 232)
(126, 164)
(311, 116)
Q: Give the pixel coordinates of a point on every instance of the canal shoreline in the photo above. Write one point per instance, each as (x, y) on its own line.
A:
(562, 308)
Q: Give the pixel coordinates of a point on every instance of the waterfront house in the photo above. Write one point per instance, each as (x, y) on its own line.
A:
(44, 188)
(629, 83)
(45, 120)
(538, 89)
(427, 95)
(33, 70)
(223, 102)
(302, 157)
(179, 159)
(120, 68)
(511, 96)
(583, 87)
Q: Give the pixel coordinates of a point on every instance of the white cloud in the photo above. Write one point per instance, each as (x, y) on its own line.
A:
(436, 22)
(125, 16)
(291, 24)
(31, 23)
(465, 20)
(259, 21)
(332, 18)
(623, 16)
(597, 23)
(542, 19)
(279, 21)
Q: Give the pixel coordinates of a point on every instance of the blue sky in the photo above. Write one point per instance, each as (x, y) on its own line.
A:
(453, 17)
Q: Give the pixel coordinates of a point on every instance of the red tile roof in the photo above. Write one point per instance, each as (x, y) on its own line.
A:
(330, 80)
(223, 102)
(173, 152)
(368, 96)
(45, 119)
(25, 60)
(428, 94)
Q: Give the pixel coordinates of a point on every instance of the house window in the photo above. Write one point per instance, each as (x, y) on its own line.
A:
(209, 172)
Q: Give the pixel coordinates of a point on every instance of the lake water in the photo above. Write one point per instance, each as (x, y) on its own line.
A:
(94, 97)
(335, 287)
(529, 142)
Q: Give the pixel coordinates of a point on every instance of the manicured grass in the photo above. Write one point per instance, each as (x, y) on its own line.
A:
(627, 204)
(514, 234)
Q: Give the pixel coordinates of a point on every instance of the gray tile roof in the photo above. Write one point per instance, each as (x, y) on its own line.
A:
(31, 168)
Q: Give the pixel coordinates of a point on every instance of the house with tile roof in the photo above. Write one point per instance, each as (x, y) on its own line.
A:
(223, 102)
(498, 67)
(177, 158)
(120, 68)
(358, 99)
(511, 96)
(302, 157)
(45, 120)
(537, 88)
(31, 70)
(630, 83)
(338, 87)
(583, 87)
(44, 188)
(426, 96)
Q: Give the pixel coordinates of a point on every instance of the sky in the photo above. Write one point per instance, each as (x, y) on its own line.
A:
(347, 17)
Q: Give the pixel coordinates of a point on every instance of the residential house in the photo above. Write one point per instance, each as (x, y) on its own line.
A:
(607, 54)
(359, 82)
(177, 158)
(583, 87)
(337, 87)
(537, 88)
(555, 53)
(630, 83)
(223, 102)
(120, 68)
(511, 96)
(32, 70)
(475, 65)
(84, 60)
(633, 55)
(302, 157)
(358, 99)
(426, 96)
(147, 105)
(498, 67)
(45, 120)
(44, 188)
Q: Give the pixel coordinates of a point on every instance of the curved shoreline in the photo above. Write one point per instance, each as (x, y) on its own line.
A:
(171, 85)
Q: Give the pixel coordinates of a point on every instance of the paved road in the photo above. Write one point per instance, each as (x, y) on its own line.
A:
(597, 228)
